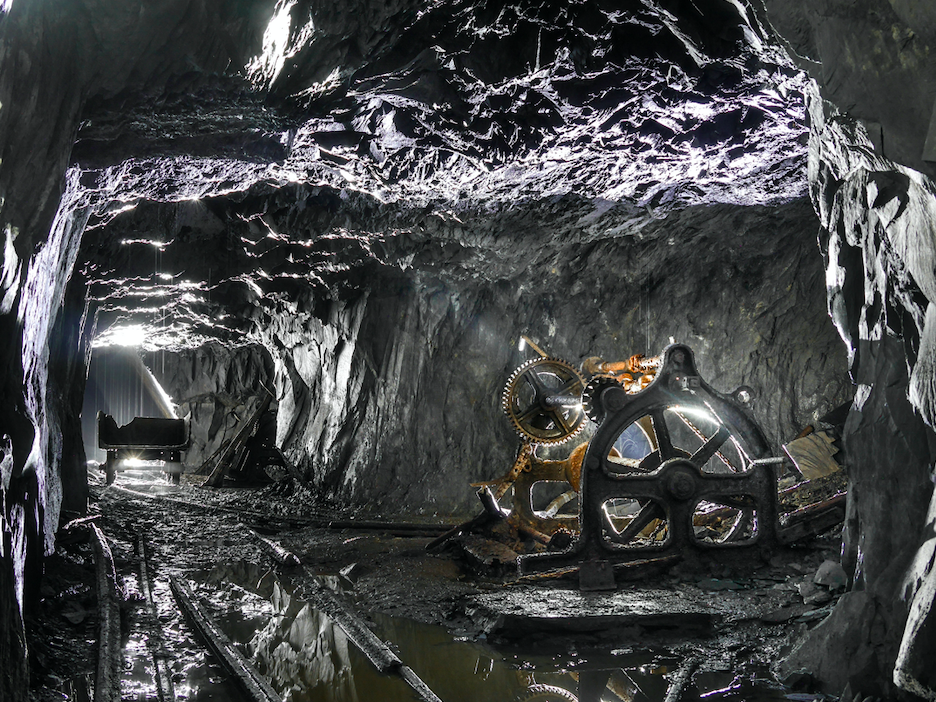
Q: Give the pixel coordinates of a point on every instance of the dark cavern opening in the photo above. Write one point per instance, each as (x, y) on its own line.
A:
(467, 350)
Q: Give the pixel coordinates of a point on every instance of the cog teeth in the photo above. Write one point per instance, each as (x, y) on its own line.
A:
(568, 375)
(590, 403)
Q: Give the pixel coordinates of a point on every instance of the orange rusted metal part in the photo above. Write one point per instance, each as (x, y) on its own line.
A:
(634, 374)
(638, 364)
(521, 464)
(573, 466)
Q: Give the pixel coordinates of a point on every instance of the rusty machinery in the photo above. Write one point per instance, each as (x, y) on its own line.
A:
(546, 401)
(675, 469)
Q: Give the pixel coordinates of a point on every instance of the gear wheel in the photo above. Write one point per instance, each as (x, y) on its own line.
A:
(590, 402)
(542, 399)
(547, 693)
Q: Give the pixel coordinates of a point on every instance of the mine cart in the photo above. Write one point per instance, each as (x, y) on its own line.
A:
(143, 439)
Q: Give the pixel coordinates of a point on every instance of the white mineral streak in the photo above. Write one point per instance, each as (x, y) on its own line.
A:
(280, 43)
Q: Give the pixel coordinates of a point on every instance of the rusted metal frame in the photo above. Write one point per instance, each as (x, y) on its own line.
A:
(523, 513)
(520, 464)
(164, 686)
(559, 502)
(638, 363)
(250, 681)
(360, 634)
(534, 533)
(107, 678)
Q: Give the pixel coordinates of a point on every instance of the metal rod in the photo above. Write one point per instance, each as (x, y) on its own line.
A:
(250, 681)
(107, 679)
(533, 346)
(357, 631)
(164, 685)
(698, 432)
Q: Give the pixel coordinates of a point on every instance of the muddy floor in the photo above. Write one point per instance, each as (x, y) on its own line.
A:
(467, 634)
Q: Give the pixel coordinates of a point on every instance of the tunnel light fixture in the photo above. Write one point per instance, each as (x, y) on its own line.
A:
(129, 335)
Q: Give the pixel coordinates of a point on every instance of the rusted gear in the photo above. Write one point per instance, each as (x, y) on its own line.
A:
(593, 409)
(547, 693)
(542, 399)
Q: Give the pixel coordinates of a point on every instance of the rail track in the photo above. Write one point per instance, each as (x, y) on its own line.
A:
(133, 590)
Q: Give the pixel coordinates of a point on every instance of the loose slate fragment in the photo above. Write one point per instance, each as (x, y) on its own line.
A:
(814, 454)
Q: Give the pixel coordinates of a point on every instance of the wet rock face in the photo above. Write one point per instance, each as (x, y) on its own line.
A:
(396, 355)
(877, 232)
(600, 180)
(384, 195)
(215, 388)
(414, 379)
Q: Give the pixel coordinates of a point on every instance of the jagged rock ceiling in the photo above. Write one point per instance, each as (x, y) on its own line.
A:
(472, 140)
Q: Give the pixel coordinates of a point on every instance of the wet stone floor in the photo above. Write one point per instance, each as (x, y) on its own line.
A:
(464, 636)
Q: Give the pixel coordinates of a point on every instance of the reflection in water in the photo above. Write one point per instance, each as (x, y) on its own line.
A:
(196, 675)
(309, 659)
(305, 656)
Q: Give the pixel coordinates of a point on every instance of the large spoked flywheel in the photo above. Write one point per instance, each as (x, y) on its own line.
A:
(543, 400)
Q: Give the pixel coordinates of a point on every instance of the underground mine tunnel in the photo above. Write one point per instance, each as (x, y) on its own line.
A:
(467, 350)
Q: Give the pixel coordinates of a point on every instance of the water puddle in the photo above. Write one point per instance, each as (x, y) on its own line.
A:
(307, 658)
(192, 673)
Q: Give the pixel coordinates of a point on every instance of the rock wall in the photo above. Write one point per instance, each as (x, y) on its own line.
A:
(401, 365)
(215, 388)
(878, 233)
(392, 329)
(53, 59)
(873, 59)
(389, 396)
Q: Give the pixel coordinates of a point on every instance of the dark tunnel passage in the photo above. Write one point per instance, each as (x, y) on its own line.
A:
(467, 350)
